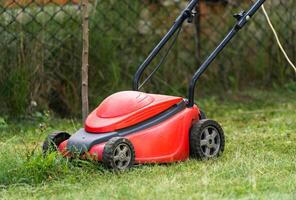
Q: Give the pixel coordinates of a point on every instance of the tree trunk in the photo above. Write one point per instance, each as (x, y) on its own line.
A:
(84, 69)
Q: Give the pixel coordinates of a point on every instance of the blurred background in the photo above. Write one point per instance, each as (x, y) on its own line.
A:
(41, 48)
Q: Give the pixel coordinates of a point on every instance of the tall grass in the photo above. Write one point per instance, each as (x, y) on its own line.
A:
(22, 161)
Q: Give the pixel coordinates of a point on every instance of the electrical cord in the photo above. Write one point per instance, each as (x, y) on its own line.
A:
(163, 59)
(277, 38)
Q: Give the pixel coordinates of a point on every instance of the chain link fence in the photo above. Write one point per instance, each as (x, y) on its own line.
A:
(40, 49)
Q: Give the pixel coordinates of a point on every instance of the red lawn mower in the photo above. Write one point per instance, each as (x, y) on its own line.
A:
(133, 127)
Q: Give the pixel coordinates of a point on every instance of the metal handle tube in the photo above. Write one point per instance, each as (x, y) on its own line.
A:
(250, 13)
(179, 21)
(240, 24)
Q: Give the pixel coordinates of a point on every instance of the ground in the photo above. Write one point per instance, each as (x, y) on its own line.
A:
(259, 161)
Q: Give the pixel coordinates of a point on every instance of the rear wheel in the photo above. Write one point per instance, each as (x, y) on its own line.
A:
(118, 154)
(206, 139)
(52, 142)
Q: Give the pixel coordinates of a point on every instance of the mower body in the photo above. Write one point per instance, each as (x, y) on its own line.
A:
(158, 127)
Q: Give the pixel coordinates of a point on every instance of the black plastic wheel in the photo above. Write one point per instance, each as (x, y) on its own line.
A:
(53, 140)
(118, 154)
(206, 139)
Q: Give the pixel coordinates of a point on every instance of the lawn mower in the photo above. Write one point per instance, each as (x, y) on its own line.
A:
(133, 127)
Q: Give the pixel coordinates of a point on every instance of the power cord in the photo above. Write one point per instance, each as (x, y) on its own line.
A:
(277, 38)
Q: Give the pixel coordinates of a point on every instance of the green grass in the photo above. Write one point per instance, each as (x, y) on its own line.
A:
(259, 160)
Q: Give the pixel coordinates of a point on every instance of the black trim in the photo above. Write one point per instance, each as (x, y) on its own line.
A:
(82, 141)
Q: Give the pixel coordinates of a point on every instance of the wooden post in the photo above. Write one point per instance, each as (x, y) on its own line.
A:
(85, 51)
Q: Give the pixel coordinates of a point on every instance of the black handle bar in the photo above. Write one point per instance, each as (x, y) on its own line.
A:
(186, 13)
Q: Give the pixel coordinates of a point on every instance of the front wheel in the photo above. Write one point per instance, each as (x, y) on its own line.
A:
(206, 139)
(118, 154)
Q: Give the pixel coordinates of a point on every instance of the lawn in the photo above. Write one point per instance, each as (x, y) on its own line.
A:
(259, 161)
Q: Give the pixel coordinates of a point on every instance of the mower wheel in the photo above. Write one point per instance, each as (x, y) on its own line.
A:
(206, 139)
(52, 142)
(118, 154)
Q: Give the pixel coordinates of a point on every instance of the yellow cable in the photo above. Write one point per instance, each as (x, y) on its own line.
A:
(277, 38)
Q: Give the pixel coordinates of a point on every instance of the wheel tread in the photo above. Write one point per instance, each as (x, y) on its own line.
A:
(195, 138)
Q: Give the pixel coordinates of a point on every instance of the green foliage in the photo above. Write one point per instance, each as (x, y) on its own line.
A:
(15, 89)
(3, 123)
(41, 61)
(291, 87)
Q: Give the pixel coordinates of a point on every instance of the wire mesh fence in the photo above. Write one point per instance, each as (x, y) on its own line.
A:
(40, 57)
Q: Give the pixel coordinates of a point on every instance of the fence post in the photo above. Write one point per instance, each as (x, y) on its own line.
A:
(85, 52)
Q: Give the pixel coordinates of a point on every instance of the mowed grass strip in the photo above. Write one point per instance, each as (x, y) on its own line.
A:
(259, 161)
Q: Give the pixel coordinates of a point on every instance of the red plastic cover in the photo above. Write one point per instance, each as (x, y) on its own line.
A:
(124, 109)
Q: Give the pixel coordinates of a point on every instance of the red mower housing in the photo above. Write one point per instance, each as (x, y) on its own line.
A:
(158, 127)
